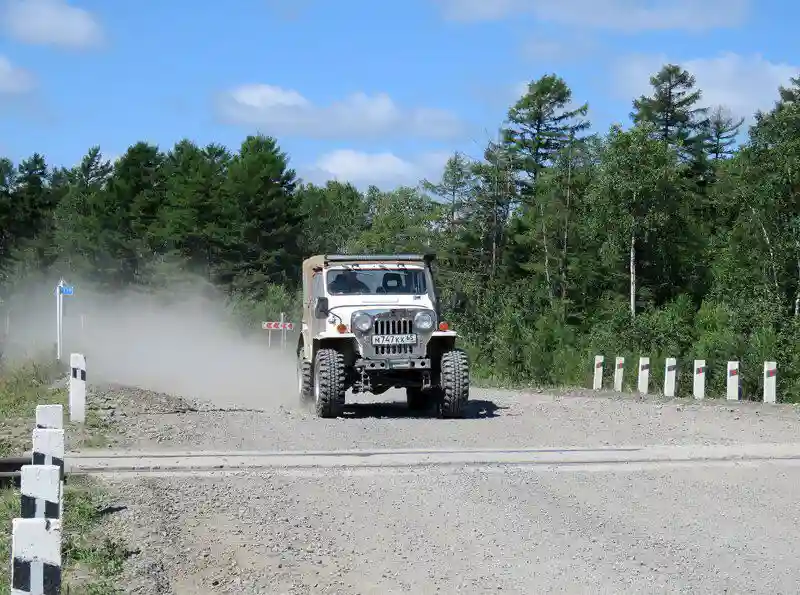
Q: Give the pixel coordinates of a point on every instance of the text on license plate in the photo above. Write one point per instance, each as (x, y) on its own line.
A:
(394, 339)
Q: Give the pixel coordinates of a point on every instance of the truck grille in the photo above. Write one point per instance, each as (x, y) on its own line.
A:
(395, 322)
(402, 326)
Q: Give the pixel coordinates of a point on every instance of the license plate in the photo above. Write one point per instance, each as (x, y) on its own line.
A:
(394, 339)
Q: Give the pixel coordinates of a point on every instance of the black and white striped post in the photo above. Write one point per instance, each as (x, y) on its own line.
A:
(77, 388)
(48, 448)
(41, 492)
(36, 557)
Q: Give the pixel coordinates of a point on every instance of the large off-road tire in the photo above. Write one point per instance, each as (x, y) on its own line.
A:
(454, 383)
(329, 383)
(417, 399)
(305, 382)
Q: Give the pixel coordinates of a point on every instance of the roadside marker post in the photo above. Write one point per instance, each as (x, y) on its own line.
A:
(732, 386)
(670, 376)
(699, 382)
(644, 375)
(35, 556)
(77, 388)
(597, 384)
(619, 369)
(770, 382)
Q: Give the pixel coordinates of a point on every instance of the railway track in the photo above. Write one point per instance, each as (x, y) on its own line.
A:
(129, 462)
(137, 462)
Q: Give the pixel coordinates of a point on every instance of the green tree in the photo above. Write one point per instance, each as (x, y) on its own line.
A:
(722, 131)
(541, 124)
(195, 221)
(672, 109)
(628, 195)
(262, 186)
(333, 217)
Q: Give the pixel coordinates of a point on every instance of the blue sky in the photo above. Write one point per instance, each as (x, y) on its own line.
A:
(374, 92)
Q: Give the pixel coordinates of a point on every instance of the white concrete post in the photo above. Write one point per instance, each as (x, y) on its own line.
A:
(77, 388)
(50, 416)
(35, 557)
(699, 384)
(597, 384)
(670, 376)
(48, 448)
(41, 492)
(59, 329)
(732, 391)
(619, 368)
(644, 374)
(770, 382)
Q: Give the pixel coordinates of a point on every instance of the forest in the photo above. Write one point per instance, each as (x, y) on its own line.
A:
(676, 234)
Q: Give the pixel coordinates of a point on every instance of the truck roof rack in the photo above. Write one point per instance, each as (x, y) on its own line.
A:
(427, 258)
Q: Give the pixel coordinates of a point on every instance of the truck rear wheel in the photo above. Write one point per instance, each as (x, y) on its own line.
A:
(329, 383)
(454, 383)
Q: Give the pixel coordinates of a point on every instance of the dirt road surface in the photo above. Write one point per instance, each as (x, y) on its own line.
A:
(488, 527)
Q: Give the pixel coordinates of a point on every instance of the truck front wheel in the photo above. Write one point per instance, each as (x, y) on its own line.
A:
(454, 383)
(329, 383)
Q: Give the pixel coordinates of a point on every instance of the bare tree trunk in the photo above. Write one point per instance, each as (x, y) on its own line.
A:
(797, 295)
(494, 241)
(566, 239)
(566, 222)
(773, 270)
(546, 254)
(633, 274)
(632, 259)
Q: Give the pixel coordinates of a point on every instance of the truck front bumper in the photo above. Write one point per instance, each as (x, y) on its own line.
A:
(399, 363)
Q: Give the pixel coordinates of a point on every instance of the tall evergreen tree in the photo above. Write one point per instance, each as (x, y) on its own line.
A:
(262, 185)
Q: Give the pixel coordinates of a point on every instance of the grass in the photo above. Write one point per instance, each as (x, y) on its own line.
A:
(90, 558)
(30, 384)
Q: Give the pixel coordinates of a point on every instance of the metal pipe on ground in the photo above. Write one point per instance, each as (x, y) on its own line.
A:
(13, 464)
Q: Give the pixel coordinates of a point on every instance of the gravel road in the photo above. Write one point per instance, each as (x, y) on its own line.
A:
(482, 529)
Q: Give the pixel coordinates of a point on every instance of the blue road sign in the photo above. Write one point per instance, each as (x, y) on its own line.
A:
(67, 290)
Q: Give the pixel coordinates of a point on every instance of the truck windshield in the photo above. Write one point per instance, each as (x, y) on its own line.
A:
(377, 282)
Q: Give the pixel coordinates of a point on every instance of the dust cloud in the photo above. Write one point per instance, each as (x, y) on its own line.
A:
(182, 341)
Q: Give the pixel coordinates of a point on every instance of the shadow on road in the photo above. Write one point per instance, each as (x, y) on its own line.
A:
(477, 409)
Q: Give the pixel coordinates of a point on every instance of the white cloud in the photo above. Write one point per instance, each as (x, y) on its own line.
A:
(567, 47)
(619, 15)
(14, 80)
(286, 112)
(51, 22)
(744, 84)
(381, 169)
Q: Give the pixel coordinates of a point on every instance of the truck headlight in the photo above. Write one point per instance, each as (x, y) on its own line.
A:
(362, 322)
(423, 321)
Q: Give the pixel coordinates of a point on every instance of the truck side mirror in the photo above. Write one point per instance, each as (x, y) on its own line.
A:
(321, 307)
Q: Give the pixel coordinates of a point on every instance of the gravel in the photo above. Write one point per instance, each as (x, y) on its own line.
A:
(496, 419)
(467, 530)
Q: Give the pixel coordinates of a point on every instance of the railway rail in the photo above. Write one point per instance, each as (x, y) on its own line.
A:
(100, 462)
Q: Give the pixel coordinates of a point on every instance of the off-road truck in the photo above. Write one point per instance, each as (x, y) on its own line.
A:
(371, 323)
